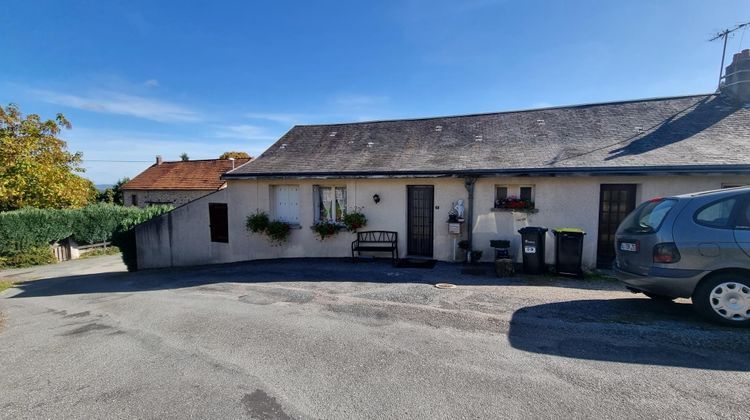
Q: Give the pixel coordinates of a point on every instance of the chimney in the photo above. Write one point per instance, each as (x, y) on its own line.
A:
(158, 160)
(737, 77)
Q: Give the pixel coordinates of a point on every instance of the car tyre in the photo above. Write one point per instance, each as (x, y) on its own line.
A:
(724, 299)
(660, 298)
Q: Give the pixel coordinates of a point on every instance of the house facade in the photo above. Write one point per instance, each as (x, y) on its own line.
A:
(177, 182)
(583, 166)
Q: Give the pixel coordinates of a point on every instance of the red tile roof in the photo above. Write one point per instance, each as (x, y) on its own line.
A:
(183, 175)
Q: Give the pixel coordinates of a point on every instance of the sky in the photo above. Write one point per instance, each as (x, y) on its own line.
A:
(141, 78)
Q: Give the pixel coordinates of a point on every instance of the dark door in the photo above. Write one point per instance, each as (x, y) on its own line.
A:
(615, 202)
(218, 221)
(419, 218)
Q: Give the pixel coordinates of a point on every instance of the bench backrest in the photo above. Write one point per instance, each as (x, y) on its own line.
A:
(377, 236)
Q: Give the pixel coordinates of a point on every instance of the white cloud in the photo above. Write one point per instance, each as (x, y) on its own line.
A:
(109, 102)
(151, 83)
(277, 117)
(243, 131)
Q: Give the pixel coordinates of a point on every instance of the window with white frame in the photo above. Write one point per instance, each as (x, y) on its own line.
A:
(514, 196)
(285, 202)
(329, 203)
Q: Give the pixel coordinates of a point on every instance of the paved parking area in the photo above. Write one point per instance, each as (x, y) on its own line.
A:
(330, 339)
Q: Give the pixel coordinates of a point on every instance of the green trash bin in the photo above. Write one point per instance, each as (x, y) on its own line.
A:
(569, 251)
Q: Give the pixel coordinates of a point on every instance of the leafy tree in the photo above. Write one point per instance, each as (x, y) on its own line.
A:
(236, 155)
(184, 156)
(35, 167)
(117, 190)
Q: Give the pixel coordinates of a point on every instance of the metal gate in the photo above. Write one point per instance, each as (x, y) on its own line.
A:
(615, 202)
(420, 218)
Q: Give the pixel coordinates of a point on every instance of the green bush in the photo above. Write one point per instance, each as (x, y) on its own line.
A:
(30, 227)
(278, 231)
(96, 223)
(25, 232)
(257, 223)
(25, 258)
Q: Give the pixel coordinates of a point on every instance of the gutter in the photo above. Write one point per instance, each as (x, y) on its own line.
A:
(740, 169)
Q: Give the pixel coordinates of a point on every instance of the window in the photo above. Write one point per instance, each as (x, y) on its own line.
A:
(716, 214)
(218, 222)
(285, 201)
(647, 218)
(501, 193)
(525, 194)
(514, 196)
(134, 199)
(329, 203)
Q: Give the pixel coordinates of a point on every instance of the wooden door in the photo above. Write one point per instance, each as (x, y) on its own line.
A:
(420, 218)
(615, 202)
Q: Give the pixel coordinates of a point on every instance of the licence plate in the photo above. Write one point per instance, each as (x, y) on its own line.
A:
(529, 250)
(628, 246)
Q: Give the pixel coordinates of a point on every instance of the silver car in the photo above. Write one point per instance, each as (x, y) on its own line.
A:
(693, 245)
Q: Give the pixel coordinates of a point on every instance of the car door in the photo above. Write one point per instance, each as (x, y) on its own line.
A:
(742, 230)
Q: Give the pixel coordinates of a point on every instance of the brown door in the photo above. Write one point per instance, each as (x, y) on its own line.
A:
(419, 217)
(615, 202)
(218, 220)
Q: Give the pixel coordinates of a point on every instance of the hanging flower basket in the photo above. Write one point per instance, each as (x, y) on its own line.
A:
(513, 203)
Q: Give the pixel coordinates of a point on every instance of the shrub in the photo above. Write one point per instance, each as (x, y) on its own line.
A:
(31, 256)
(278, 231)
(25, 232)
(354, 220)
(257, 223)
(324, 229)
(30, 227)
(96, 223)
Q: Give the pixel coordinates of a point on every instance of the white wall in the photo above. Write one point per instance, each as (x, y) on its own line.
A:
(561, 201)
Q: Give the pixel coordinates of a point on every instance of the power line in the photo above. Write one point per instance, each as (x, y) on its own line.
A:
(725, 36)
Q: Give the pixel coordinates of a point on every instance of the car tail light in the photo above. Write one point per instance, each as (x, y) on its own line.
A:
(666, 253)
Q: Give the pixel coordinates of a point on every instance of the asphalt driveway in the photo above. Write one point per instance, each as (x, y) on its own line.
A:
(330, 339)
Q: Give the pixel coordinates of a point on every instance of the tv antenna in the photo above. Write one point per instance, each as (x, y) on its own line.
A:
(725, 35)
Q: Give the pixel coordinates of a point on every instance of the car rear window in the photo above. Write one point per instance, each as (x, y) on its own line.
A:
(647, 218)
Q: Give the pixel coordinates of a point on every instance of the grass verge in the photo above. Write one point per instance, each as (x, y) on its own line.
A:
(5, 284)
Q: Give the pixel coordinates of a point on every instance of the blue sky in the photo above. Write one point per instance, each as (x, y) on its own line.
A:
(140, 78)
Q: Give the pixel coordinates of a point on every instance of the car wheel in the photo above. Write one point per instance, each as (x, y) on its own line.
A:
(661, 298)
(724, 298)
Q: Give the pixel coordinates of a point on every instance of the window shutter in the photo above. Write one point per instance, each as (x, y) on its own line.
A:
(287, 203)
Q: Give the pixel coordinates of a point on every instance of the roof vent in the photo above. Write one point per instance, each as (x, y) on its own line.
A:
(639, 129)
(438, 128)
(369, 144)
(283, 145)
(332, 134)
(540, 122)
(478, 137)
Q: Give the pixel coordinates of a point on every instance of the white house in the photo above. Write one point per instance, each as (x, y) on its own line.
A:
(581, 166)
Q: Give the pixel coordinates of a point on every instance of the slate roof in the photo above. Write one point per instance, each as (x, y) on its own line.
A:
(698, 131)
(183, 175)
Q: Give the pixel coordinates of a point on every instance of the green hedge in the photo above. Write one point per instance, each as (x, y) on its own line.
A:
(21, 231)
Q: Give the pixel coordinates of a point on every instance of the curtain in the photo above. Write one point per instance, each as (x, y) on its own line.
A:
(340, 203)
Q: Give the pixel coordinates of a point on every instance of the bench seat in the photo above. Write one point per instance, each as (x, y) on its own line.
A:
(376, 241)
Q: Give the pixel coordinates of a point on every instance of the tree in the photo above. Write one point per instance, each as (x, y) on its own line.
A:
(236, 155)
(184, 156)
(36, 168)
(117, 190)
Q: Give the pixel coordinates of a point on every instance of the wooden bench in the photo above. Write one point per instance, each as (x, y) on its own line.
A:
(376, 241)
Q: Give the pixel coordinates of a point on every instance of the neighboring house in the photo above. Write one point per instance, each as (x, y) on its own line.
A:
(178, 182)
(582, 166)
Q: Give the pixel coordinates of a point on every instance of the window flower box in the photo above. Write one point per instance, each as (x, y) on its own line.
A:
(514, 204)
